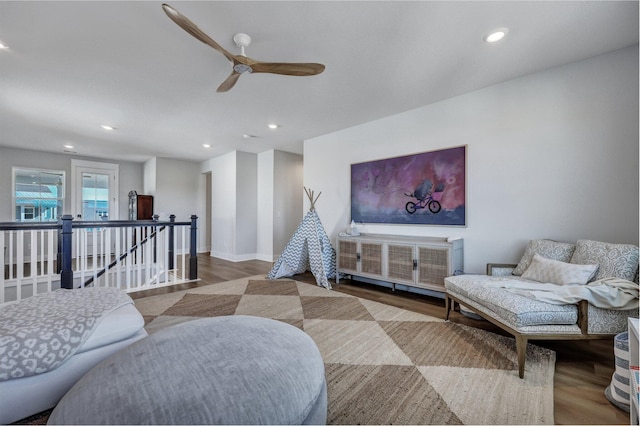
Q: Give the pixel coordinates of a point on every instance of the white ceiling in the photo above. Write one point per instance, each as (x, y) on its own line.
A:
(72, 66)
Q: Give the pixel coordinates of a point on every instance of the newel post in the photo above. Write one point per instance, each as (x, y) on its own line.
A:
(65, 241)
(172, 219)
(193, 256)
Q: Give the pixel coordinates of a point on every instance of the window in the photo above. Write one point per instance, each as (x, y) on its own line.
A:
(38, 194)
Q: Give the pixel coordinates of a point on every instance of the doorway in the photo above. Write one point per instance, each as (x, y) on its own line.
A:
(94, 197)
(94, 190)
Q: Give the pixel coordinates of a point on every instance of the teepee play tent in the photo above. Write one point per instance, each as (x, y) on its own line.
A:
(308, 249)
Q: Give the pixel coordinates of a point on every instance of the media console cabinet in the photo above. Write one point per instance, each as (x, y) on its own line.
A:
(418, 264)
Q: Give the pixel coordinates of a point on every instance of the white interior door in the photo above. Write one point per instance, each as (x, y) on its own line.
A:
(94, 198)
(94, 190)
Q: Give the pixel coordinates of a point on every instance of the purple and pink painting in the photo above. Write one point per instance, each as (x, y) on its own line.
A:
(427, 189)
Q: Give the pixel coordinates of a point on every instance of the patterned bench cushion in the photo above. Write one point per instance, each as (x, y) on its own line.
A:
(513, 308)
(608, 321)
(615, 260)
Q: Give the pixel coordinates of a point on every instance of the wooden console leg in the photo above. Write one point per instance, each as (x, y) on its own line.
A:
(521, 349)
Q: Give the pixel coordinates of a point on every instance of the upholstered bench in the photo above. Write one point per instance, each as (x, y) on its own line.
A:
(568, 268)
(221, 370)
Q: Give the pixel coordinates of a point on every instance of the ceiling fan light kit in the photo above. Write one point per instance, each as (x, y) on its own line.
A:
(241, 63)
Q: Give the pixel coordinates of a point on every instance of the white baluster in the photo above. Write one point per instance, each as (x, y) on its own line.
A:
(42, 246)
(50, 256)
(11, 257)
(19, 263)
(139, 258)
(33, 262)
(106, 259)
(148, 257)
(184, 252)
(128, 259)
(82, 254)
(118, 253)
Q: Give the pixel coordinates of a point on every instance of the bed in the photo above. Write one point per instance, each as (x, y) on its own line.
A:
(116, 326)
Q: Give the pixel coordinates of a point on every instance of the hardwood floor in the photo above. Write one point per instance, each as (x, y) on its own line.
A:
(583, 368)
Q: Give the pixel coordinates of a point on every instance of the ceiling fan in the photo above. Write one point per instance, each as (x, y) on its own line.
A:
(241, 63)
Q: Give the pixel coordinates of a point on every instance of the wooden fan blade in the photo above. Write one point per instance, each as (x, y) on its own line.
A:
(184, 23)
(229, 82)
(288, 68)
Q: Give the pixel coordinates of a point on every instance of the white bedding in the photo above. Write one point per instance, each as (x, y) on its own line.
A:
(40, 333)
(607, 293)
(118, 325)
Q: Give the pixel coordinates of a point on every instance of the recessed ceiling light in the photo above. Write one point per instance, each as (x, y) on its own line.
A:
(248, 136)
(107, 127)
(68, 146)
(496, 35)
(272, 126)
(3, 46)
(206, 145)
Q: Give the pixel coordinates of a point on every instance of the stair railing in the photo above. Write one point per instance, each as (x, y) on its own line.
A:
(132, 255)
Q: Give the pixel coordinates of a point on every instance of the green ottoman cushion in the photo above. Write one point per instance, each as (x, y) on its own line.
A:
(222, 370)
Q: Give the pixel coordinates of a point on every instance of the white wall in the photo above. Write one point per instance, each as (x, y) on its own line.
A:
(204, 224)
(131, 177)
(178, 189)
(223, 204)
(280, 201)
(150, 171)
(288, 198)
(264, 206)
(246, 208)
(233, 205)
(266, 190)
(550, 155)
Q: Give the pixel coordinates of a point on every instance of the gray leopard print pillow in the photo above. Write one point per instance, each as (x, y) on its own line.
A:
(549, 249)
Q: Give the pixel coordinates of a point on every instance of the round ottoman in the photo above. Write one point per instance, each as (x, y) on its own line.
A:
(221, 370)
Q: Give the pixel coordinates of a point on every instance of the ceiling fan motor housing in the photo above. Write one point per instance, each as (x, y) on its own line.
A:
(242, 68)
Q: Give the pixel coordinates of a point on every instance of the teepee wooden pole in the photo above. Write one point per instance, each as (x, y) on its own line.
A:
(309, 193)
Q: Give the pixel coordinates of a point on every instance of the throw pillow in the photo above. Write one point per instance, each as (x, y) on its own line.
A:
(555, 272)
(615, 260)
(550, 249)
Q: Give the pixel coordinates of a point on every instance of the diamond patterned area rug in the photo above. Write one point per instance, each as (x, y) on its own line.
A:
(384, 365)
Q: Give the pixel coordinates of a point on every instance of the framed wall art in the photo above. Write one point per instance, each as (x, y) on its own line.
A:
(422, 189)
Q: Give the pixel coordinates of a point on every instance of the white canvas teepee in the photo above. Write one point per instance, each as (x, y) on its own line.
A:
(309, 248)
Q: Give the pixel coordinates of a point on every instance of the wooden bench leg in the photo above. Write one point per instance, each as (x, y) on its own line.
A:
(447, 307)
(521, 349)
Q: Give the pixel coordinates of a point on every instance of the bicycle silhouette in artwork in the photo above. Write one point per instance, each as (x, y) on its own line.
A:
(425, 197)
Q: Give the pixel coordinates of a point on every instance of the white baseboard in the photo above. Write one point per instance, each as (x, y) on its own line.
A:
(267, 257)
(234, 257)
